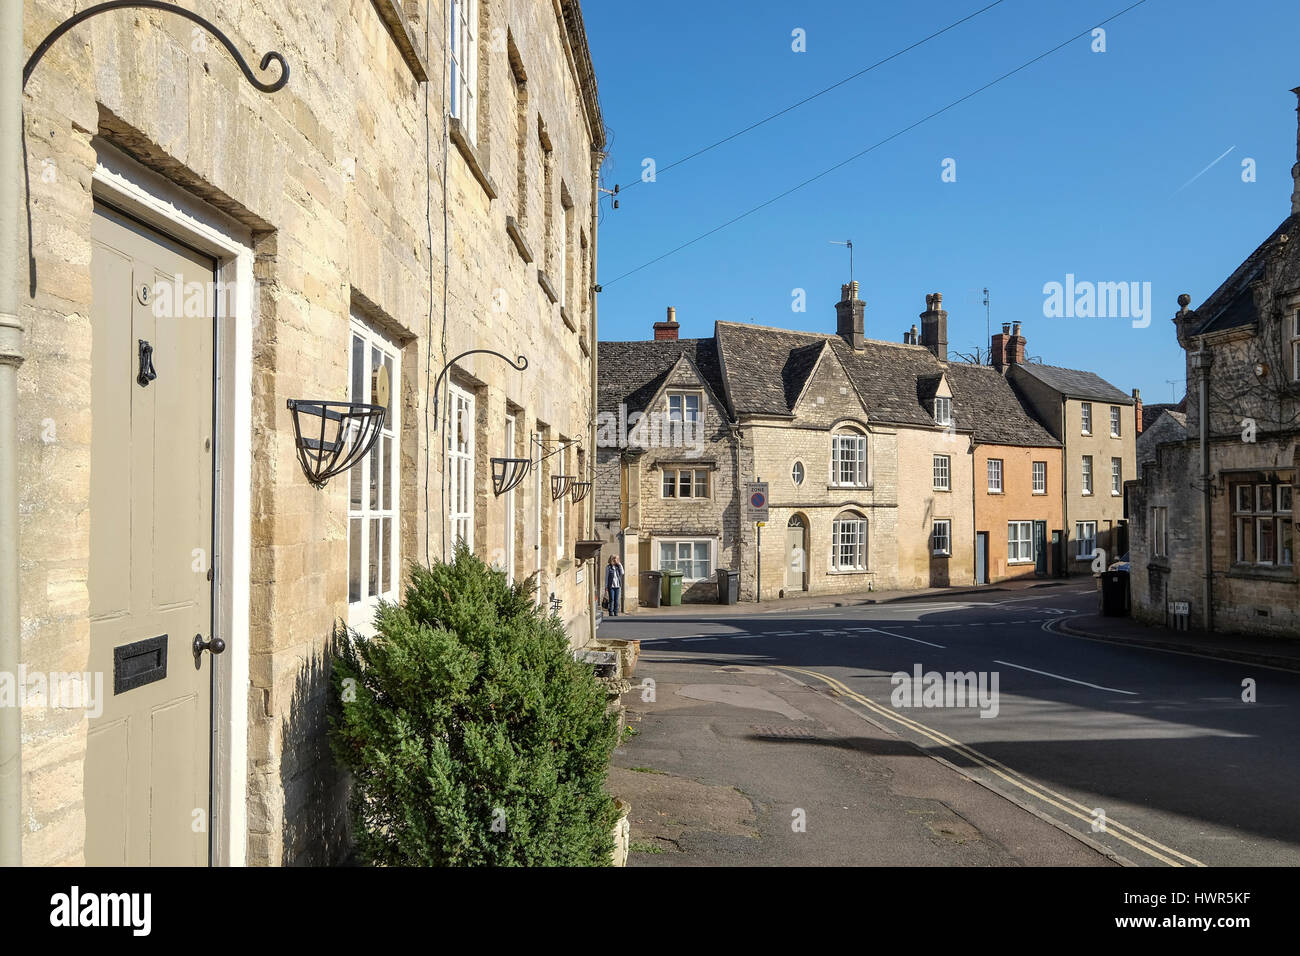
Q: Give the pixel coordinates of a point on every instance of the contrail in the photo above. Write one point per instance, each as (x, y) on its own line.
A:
(1205, 170)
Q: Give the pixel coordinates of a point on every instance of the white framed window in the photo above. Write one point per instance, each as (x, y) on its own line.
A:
(1295, 346)
(849, 458)
(941, 537)
(683, 407)
(1085, 417)
(943, 410)
(1116, 476)
(849, 542)
(1020, 542)
(373, 536)
(566, 228)
(691, 556)
(1263, 526)
(685, 483)
(1086, 485)
(797, 473)
(1040, 477)
(460, 465)
(1085, 540)
(464, 65)
(1114, 421)
(1160, 532)
(995, 475)
(942, 473)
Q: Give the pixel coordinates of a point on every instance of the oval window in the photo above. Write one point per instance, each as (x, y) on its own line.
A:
(796, 473)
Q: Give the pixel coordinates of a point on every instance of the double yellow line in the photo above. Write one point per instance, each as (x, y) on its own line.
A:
(1126, 834)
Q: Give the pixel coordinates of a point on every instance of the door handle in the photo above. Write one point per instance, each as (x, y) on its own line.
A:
(216, 645)
(146, 373)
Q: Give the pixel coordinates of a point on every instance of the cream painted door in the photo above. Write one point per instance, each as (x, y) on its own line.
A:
(147, 783)
(796, 560)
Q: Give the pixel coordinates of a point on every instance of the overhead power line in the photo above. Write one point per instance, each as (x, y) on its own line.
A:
(892, 136)
(810, 98)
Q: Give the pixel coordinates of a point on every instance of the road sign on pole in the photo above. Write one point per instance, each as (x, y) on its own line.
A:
(756, 501)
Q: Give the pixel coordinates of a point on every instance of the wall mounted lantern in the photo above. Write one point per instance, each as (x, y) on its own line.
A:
(560, 486)
(580, 490)
(333, 436)
(507, 473)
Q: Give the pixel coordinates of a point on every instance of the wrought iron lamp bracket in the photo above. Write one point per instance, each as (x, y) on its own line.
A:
(86, 14)
(518, 365)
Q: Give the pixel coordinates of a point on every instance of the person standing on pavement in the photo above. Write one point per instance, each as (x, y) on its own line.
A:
(613, 584)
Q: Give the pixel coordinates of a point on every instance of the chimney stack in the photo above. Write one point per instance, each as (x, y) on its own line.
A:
(850, 316)
(934, 326)
(667, 331)
(1008, 347)
(909, 338)
(1137, 411)
(1295, 170)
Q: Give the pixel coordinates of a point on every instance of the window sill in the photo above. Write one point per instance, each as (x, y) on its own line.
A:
(407, 43)
(1260, 572)
(1039, 494)
(946, 490)
(941, 554)
(544, 281)
(516, 234)
(849, 487)
(1020, 564)
(470, 154)
(992, 492)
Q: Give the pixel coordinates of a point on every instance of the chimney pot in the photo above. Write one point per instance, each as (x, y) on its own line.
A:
(1006, 328)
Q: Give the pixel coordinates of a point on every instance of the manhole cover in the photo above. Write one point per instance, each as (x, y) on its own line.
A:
(783, 732)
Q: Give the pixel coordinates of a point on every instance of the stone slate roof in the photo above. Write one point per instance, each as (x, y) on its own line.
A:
(1076, 384)
(991, 407)
(767, 369)
(1151, 412)
(1232, 305)
(632, 372)
(1169, 426)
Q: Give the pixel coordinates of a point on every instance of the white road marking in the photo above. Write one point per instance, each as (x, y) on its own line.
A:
(914, 640)
(1113, 690)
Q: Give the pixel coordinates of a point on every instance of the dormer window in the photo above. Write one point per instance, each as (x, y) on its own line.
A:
(943, 411)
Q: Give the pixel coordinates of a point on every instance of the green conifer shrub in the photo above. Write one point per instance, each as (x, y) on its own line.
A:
(472, 735)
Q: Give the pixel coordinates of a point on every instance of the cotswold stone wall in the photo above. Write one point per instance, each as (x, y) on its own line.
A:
(339, 181)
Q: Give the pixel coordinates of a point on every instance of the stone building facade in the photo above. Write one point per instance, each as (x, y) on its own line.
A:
(1225, 490)
(875, 455)
(667, 462)
(397, 203)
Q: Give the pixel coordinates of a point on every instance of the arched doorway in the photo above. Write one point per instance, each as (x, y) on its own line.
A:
(796, 554)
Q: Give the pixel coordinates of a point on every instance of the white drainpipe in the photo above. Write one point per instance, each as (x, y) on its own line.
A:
(11, 356)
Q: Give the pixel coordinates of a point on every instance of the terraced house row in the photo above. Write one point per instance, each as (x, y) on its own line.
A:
(888, 465)
(421, 186)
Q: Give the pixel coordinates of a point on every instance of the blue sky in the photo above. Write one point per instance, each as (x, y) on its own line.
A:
(1077, 165)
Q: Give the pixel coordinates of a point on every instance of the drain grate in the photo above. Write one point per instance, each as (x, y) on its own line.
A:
(787, 732)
